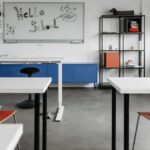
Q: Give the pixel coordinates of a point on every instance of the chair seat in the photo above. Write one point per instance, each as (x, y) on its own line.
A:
(29, 70)
(145, 114)
(5, 114)
(28, 103)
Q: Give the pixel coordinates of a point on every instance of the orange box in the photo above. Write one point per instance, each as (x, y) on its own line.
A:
(111, 60)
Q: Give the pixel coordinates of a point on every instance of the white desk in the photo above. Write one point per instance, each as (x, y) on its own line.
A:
(126, 86)
(42, 60)
(35, 86)
(10, 135)
(131, 85)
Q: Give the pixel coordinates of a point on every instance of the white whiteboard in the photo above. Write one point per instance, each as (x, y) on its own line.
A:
(43, 21)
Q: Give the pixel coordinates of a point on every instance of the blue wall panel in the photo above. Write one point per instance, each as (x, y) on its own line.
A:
(8, 70)
(72, 73)
(80, 73)
(53, 72)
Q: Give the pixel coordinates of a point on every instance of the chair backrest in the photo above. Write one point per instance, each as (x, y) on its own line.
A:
(145, 114)
(6, 114)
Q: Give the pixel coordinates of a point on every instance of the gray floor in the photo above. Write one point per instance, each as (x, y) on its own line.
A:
(86, 123)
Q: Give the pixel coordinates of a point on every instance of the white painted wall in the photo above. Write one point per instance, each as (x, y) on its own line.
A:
(87, 52)
(146, 11)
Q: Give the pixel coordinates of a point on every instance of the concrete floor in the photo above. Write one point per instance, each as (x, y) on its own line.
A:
(86, 123)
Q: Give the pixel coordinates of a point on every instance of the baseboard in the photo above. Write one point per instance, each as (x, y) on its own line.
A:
(91, 85)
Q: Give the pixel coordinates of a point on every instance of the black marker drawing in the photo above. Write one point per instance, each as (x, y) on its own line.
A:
(19, 13)
(55, 24)
(65, 8)
(68, 13)
(42, 13)
(69, 17)
(35, 28)
(30, 13)
(41, 26)
(10, 29)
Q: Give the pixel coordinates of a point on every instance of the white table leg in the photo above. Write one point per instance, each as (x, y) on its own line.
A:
(60, 97)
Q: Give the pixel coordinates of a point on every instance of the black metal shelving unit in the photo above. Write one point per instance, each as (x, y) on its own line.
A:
(123, 24)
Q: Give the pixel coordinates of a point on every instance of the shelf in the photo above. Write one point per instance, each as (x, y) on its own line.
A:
(109, 16)
(108, 68)
(108, 51)
(109, 33)
(116, 57)
(133, 67)
(121, 16)
(135, 50)
(121, 51)
(123, 67)
(125, 33)
(132, 32)
(116, 33)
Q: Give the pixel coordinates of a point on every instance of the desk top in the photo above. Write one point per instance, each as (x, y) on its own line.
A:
(10, 135)
(24, 85)
(31, 59)
(131, 85)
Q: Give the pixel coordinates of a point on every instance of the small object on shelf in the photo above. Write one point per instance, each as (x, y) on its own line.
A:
(110, 47)
(132, 48)
(134, 66)
(111, 60)
(129, 62)
(116, 12)
(134, 30)
(132, 24)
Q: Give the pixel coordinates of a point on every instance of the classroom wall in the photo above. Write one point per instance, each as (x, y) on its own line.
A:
(146, 11)
(87, 52)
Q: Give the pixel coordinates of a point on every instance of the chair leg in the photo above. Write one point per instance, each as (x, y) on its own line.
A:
(136, 131)
(14, 116)
(30, 97)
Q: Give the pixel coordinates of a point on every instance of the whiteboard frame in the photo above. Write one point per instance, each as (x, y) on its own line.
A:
(74, 41)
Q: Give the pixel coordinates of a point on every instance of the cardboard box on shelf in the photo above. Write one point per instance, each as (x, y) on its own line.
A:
(111, 59)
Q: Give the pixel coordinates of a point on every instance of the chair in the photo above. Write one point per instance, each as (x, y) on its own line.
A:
(5, 115)
(29, 103)
(145, 115)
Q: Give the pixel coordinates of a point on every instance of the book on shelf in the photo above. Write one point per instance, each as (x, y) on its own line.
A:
(134, 24)
(134, 30)
(134, 27)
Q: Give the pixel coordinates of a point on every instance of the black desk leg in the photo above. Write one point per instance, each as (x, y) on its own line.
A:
(126, 121)
(113, 119)
(45, 121)
(37, 123)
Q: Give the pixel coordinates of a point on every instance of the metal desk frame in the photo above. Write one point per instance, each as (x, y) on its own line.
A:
(42, 60)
